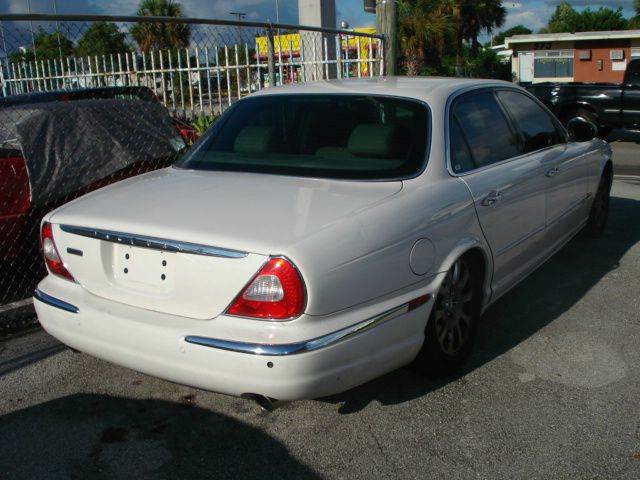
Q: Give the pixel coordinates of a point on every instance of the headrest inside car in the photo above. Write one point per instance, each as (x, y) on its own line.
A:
(372, 139)
(254, 139)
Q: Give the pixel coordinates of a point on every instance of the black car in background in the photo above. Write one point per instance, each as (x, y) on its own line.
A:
(607, 105)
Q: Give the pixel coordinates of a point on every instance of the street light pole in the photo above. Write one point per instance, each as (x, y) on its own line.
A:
(55, 12)
(239, 15)
(33, 39)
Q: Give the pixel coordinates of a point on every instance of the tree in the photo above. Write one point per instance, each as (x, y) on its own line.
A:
(566, 19)
(487, 64)
(48, 46)
(422, 25)
(160, 35)
(510, 32)
(477, 16)
(102, 38)
(440, 37)
(634, 22)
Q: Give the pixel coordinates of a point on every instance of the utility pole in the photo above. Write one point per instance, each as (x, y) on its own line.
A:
(387, 25)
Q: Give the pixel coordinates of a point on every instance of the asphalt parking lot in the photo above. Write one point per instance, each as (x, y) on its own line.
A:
(552, 391)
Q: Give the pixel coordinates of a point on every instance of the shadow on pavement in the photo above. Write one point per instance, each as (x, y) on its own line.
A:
(18, 362)
(102, 437)
(546, 294)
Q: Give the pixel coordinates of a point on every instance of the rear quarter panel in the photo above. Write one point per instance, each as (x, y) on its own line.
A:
(367, 256)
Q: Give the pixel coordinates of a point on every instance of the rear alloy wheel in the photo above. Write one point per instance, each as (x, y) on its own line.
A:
(452, 326)
(599, 213)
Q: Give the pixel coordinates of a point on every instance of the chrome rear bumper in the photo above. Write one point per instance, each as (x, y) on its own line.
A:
(55, 302)
(273, 349)
(308, 345)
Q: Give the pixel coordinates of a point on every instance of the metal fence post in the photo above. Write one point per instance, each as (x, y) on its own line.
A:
(270, 57)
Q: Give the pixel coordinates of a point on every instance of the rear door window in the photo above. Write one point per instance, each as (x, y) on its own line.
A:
(489, 136)
(536, 126)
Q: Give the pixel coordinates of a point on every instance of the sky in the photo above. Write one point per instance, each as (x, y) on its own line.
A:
(531, 13)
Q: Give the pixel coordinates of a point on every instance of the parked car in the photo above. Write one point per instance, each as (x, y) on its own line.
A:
(319, 236)
(607, 105)
(51, 152)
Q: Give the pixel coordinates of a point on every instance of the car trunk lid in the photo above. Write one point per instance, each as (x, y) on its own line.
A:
(186, 243)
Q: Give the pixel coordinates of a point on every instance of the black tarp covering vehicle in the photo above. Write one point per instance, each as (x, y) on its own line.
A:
(52, 152)
(120, 93)
(68, 146)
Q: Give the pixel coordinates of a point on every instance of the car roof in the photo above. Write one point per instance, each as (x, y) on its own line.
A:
(421, 88)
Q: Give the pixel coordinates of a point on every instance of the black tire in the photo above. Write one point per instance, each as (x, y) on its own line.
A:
(452, 326)
(599, 213)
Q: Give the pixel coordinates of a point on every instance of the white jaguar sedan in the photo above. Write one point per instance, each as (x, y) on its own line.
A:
(321, 235)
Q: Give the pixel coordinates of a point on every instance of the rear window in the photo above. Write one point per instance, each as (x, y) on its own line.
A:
(328, 136)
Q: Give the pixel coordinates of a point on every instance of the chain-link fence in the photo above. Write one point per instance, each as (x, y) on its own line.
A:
(193, 66)
(83, 103)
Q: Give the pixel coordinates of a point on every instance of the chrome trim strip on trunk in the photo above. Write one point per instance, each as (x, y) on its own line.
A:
(305, 346)
(154, 243)
(54, 302)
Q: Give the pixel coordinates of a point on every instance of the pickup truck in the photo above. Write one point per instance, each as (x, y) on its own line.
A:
(607, 105)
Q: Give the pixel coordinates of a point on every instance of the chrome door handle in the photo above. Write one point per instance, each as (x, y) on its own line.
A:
(553, 172)
(491, 199)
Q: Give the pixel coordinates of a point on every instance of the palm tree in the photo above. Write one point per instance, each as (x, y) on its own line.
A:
(471, 18)
(479, 15)
(160, 35)
(634, 22)
(422, 24)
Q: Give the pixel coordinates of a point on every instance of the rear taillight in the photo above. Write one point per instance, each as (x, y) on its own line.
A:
(275, 293)
(50, 253)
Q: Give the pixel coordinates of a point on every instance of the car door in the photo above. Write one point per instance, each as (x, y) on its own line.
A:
(566, 170)
(508, 188)
(631, 96)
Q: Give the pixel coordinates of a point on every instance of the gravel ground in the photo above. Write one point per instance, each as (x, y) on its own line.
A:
(552, 391)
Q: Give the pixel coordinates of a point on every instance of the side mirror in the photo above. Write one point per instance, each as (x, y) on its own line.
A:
(581, 130)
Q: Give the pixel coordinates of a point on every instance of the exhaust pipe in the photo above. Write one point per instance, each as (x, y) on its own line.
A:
(267, 404)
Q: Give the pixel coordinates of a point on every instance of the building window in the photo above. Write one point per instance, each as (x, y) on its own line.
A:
(553, 63)
(635, 52)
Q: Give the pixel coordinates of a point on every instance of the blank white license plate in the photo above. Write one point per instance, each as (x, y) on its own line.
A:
(144, 267)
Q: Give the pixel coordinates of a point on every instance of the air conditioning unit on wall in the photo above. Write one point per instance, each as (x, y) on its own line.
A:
(617, 54)
(584, 54)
